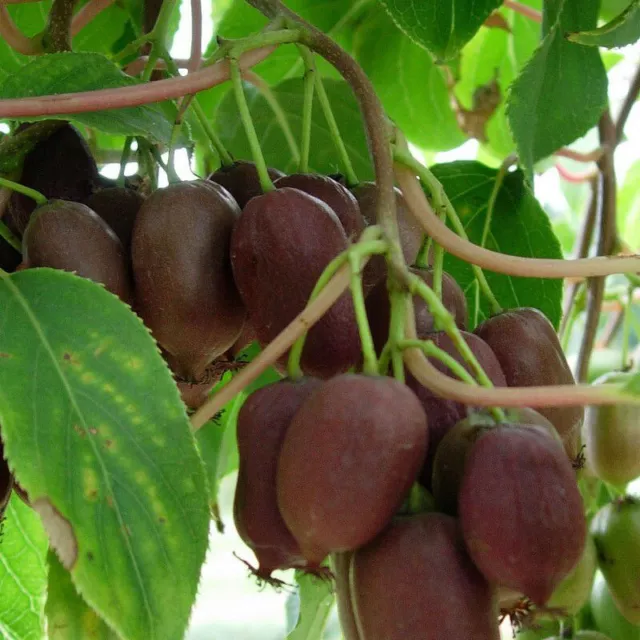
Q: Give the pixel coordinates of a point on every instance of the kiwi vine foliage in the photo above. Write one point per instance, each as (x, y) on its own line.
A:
(53, 326)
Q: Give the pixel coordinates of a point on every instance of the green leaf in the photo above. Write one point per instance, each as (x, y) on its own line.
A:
(632, 386)
(23, 573)
(628, 209)
(519, 227)
(323, 157)
(495, 55)
(412, 88)
(97, 435)
(551, 104)
(441, 27)
(67, 72)
(69, 617)
(622, 30)
(105, 31)
(316, 599)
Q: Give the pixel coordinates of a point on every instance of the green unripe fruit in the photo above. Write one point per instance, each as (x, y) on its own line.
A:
(606, 615)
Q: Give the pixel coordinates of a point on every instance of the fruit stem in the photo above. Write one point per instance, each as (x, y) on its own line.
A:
(245, 115)
(26, 191)
(124, 161)
(422, 258)
(493, 260)
(497, 185)
(401, 304)
(8, 235)
(441, 202)
(307, 108)
(293, 365)
(626, 328)
(418, 287)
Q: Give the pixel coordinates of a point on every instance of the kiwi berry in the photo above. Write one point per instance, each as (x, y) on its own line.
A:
(70, 236)
(263, 422)
(415, 581)
(348, 460)
(336, 195)
(280, 246)
(241, 180)
(184, 286)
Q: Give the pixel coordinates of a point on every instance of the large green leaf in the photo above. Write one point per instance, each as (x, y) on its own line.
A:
(105, 31)
(68, 72)
(68, 615)
(316, 599)
(323, 157)
(551, 104)
(519, 227)
(23, 573)
(97, 435)
(622, 30)
(412, 88)
(441, 27)
(495, 54)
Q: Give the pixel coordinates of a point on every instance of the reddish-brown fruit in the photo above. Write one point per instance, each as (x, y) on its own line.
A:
(520, 510)
(379, 307)
(530, 354)
(70, 236)
(348, 461)
(262, 425)
(184, 285)
(279, 248)
(118, 207)
(451, 454)
(416, 582)
(443, 413)
(336, 195)
(241, 180)
(59, 167)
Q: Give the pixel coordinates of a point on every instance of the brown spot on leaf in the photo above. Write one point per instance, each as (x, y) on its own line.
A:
(5, 355)
(67, 357)
(79, 430)
(110, 501)
(108, 443)
(60, 532)
(93, 431)
(89, 556)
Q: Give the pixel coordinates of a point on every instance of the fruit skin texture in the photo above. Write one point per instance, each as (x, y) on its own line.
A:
(611, 434)
(71, 237)
(332, 193)
(241, 180)
(279, 248)
(607, 617)
(443, 413)
(348, 461)
(451, 455)
(184, 285)
(520, 510)
(263, 421)
(616, 532)
(416, 582)
(118, 207)
(530, 354)
(379, 307)
(59, 167)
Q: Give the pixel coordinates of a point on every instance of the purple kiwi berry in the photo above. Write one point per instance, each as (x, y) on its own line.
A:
(263, 422)
(280, 246)
(520, 510)
(241, 180)
(184, 285)
(416, 582)
(530, 354)
(348, 461)
(71, 237)
(336, 195)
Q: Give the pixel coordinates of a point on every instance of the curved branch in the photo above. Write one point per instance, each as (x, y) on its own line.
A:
(87, 14)
(102, 99)
(523, 10)
(15, 38)
(498, 262)
(580, 156)
(196, 36)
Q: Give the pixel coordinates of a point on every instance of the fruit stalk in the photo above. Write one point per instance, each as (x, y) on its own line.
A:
(31, 193)
(307, 108)
(9, 236)
(499, 262)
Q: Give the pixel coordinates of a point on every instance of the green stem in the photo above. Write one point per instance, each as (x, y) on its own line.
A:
(418, 287)
(438, 268)
(497, 185)
(8, 235)
(307, 109)
(26, 191)
(349, 173)
(422, 259)
(293, 365)
(235, 48)
(430, 350)
(160, 28)
(438, 195)
(626, 327)
(146, 160)
(132, 48)
(399, 301)
(245, 115)
(124, 161)
(575, 310)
